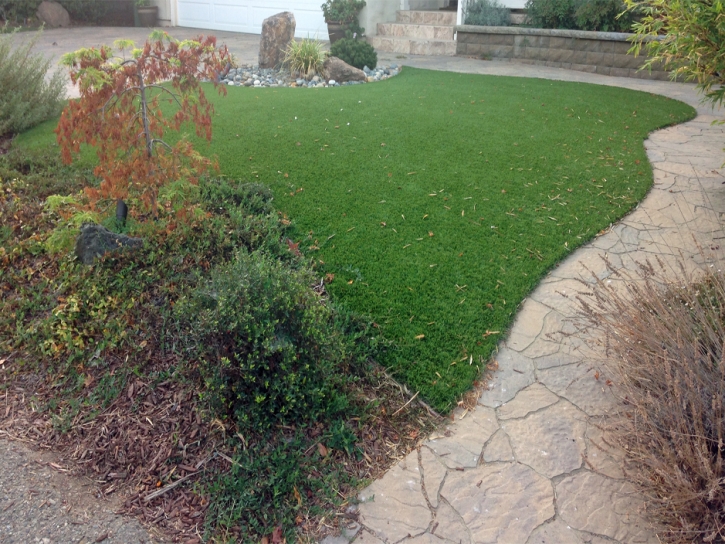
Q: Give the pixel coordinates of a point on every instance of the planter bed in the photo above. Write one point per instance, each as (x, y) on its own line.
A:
(595, 52)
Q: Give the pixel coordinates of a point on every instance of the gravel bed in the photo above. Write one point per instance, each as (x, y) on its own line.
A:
(253, 76)
(41, 502)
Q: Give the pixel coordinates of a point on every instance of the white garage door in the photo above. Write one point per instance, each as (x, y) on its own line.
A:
(247, 15)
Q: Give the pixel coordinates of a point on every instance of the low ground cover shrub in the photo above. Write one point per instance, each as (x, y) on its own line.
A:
(157, 323)
(27, 95)
(665, 333)
(485, 13)
(357, 53)
(268, 353)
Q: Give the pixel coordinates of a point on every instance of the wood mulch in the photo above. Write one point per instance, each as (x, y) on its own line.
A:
(152, 441)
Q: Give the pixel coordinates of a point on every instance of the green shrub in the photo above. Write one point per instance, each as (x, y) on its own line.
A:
(305, 56)
(342, 11)
(695, 40)
(18, 10)
(90, 11)
(356, 53)
(551, 13)
(26, 97)
(269, 349)
(601, 15)
(485, 13)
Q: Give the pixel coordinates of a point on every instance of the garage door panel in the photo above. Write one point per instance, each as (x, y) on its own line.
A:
(248, 15)
(231, 13)
(197, 12)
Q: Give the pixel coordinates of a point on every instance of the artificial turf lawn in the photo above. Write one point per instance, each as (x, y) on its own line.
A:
(438, 200)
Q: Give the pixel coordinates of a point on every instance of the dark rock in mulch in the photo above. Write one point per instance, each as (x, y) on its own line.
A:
(96, 240)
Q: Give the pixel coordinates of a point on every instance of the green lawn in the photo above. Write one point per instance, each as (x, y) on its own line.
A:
(438, 200)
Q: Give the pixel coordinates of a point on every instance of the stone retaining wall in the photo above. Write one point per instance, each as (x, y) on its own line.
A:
(595, 52)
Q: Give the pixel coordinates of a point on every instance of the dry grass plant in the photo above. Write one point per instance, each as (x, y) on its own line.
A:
(664, 340)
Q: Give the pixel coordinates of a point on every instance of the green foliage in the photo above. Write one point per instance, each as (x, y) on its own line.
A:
(485, 13)
(342, 11)
(269, 350)
(259, 492)
(89, 11)
(692, 40)
(600, 15)
(18, 10)
(27, 96)
(357, 53)
(305, 56)
(551, 13)
(604, 16)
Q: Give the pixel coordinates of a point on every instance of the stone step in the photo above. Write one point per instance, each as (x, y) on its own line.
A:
(426, 17)
(415, 31)
(392, 44)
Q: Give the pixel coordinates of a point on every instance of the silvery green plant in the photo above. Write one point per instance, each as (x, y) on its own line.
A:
(485, 13)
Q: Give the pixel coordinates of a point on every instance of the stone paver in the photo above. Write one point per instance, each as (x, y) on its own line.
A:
(532, 464)
(485, 478)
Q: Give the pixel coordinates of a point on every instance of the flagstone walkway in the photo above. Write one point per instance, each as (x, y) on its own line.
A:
(532, 464)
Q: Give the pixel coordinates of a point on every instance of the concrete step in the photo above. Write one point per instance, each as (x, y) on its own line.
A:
(408, 46)
(415, 31)
(426, 17)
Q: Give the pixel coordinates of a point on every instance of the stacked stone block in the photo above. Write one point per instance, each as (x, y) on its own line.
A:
(595, 52)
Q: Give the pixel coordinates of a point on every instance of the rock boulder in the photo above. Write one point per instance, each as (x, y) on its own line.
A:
(341, 71)
(277, 31)
(53, 14)
(96, 240)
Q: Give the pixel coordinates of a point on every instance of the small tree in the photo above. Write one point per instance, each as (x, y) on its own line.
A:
(119, 113)
(692, 43)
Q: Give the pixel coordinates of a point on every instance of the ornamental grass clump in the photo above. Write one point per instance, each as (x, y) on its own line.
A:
(665, 340)
(305, 56)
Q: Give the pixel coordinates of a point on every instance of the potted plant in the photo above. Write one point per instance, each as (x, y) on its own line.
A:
(342, 16)
(146, 14)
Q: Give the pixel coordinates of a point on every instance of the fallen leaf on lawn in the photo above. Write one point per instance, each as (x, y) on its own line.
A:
(350, 282)
(277, 537)
(297, 493)
(420, 337)
(321, 449)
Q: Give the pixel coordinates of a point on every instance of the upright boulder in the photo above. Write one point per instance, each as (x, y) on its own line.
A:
(53, 14)
(96, 240)
(277, 31)
(341, 71)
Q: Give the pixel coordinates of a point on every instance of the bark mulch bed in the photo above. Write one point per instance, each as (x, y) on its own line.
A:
(152, 443)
